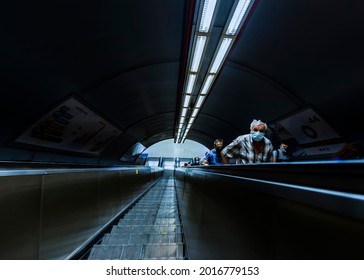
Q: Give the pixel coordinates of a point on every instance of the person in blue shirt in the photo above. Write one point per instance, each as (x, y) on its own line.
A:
(214, 156)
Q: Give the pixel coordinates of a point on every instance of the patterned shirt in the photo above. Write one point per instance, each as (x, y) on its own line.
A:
(242, 148)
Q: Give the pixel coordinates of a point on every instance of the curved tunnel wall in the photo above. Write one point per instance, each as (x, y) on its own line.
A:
(49, 213)
(265, 212)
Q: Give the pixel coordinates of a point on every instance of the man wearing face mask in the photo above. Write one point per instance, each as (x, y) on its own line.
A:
(214, 156)
(250, 148)
(282, 154)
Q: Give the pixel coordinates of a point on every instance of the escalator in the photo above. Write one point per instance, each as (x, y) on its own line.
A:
(150, 230)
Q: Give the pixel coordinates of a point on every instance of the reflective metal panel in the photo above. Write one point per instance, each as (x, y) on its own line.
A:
(109, 198)
(48, 213)
(19, 217)
(236, 217)
(69, 212)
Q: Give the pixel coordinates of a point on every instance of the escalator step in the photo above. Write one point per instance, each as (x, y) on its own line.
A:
(150, 230)
(137, 252)
(127, 238)
(147, 229)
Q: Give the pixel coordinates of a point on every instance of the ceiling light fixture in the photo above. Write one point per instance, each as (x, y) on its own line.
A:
(207, 84)
(191, 82)
(237, 17)
(200, 45)
(221, 54)
(206, 16)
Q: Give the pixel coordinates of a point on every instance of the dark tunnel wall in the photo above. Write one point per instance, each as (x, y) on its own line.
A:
(126, 62)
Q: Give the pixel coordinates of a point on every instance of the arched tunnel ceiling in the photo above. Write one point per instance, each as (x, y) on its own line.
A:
(126, 61)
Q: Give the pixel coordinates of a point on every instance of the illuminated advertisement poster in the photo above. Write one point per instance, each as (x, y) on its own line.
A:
(71, 126)
(308, 127)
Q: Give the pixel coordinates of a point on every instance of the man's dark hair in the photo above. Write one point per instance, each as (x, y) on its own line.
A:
(218, 141)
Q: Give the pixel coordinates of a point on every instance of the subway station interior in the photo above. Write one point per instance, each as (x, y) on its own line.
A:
(88, 87)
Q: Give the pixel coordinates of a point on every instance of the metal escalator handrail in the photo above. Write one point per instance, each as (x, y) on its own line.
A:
(345, 203)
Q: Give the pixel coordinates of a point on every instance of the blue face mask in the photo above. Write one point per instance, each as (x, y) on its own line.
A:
(284, 150)
(257, 136)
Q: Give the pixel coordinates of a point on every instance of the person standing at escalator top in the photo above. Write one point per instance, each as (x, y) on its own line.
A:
(214, 156)
(250, 148)
(282, 154)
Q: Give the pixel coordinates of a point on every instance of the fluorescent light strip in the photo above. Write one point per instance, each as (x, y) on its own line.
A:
(184, 112)
(187, 100)
(238, 15)
(182, 120)
(191, 81)
(206, 17)
(224, 47)
(204, 27)
(199, 101)
(200, 45)
(207, 84)
(194, 113)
